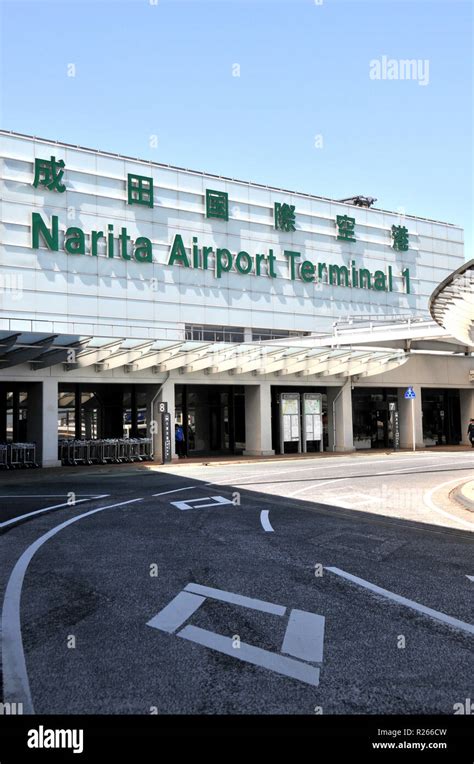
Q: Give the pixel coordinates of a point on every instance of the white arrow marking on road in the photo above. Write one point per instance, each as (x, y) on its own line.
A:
(471, 578)
(215, 501)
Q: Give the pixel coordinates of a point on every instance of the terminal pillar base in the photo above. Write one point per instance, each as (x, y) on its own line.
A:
(156, 395)
(340, 430)
(258, 420)
(42, 423)
(405, 418)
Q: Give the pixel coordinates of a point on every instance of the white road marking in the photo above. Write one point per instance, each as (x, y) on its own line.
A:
(177, 490)
(435, 614)
(280, 664)
(47, 509)
(315, 485)
(428, 501)
(265, 521)
(363, 498)
(16, 687)
(236, 599)
(414, 469)
(471, 578)
(176, 612)
(214, 501)
(304, 636)
(338, 463)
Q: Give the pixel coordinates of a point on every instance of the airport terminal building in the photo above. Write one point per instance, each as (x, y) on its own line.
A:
(259, 319)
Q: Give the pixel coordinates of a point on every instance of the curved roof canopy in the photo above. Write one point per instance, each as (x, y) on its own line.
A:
(452, 303)
(100, 354)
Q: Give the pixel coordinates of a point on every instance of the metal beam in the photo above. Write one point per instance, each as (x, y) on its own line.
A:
(124, 357)
(59, 354)
(25, 353)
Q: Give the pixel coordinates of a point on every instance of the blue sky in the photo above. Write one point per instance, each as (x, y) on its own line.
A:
(166, 69)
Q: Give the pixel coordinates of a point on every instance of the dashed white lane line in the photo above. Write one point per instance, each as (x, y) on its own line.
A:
(16, 686)
(428, 501)
(48, 509)
(435, 614)
(265, 520)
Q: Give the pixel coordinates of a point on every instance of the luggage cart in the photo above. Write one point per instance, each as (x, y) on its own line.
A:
(15, 455)
(95, 452)
(4, 456)
(109, 451)
(134, 450)
(79, 452)
(29, 454)
(145, 449)
(123, 450)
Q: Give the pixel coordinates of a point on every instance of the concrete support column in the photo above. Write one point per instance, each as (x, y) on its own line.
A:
(165, 395)
(258, 420)
(42, 423)
(340, 429)
(466, 399)
(405, 420)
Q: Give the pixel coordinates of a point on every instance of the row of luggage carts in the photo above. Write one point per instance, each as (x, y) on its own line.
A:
(17, 455)
(105, 451)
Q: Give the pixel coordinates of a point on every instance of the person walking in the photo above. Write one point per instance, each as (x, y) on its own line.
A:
(179, 438)
(470, 432)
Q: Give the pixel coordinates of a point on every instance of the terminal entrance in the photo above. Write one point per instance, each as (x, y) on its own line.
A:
(441, 417)
(101, 411)
(211, 418)
(13, 412)
(373, 411)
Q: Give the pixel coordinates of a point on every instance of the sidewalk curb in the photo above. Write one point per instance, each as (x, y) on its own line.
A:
(458, 496)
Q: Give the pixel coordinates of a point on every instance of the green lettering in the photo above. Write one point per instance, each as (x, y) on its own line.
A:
(95, 236)
(221, 266)
(74, 241)
(307, 271)
(338, 272)
(248, 260)
(364, 275)
(206, 251)
(406, 278)
(124, 239)
(143, 250)
(258, 259)
(271, 263)
(50, 238)
(178, 252)
(380, 282)
(292, 257)
(321, 268)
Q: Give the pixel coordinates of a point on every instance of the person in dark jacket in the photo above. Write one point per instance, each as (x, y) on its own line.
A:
(470, 432)
(179, 438)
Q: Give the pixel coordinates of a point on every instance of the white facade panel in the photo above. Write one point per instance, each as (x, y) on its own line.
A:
(103, 290)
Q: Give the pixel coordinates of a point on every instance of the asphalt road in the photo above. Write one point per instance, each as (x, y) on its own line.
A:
(151, 595)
